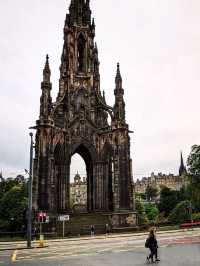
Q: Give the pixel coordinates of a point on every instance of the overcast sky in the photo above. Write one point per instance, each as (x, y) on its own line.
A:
(158, 46)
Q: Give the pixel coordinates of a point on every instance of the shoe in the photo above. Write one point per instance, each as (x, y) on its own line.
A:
(147, 258)
(157, 260)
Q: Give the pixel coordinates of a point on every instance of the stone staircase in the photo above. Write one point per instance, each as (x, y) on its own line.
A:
(79, 224)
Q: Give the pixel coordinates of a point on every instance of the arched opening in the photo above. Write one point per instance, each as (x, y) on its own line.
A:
(82, 189)
(81, 53)
(78, 184)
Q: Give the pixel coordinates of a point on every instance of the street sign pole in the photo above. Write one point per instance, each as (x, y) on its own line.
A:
(29, 220)
(63, 218)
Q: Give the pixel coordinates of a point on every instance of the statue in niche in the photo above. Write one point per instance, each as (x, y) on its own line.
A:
(81, 100)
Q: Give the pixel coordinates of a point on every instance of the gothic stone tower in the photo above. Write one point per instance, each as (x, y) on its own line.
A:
(78, 123)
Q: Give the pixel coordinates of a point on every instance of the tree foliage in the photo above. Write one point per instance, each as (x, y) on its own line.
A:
(151, 193)
(170, 198)
(180, 213)
(193, 161)
(142, 217)
(194, 176)
(13, 203)
(152, 212)
(196, 216)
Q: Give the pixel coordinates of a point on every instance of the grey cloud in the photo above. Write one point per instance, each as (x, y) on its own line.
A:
(158, 46)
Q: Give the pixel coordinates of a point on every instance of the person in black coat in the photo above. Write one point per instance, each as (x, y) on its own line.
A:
(152, 244)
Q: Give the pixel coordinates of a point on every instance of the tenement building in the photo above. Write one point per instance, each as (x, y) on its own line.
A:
(77, 122)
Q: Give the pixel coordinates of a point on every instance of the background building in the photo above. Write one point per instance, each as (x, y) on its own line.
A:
(78, 192)
(174, 182)
(159, 181)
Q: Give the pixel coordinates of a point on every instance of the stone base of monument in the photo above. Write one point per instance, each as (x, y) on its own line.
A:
(124, 219)
(80, 223)
(79, 208)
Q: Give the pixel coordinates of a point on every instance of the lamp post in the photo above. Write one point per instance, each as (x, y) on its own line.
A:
(29, 220)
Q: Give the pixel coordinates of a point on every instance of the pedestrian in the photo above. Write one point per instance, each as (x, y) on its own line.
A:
(92, 230)
(152, 244)
(34, 234)
(107, 229)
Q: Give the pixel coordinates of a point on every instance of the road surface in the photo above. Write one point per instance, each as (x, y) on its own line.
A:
(175, 248)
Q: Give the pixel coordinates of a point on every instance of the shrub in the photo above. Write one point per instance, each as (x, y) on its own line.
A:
(180, 213)
(196, 216)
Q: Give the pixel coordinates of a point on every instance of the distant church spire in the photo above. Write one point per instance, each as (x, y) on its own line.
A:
(182, 169)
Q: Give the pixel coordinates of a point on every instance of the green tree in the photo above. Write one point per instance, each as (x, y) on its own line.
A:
(151, 193)
(12, 206)
(7, 184)
(194, 176)
(180, 213)
(183, 195)
(193, 161)
(142, 217)
(196, 216)
(152, 212)
(168, 200)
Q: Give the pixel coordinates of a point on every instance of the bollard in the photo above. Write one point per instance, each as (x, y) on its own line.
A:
(14, 256)
(41, 241)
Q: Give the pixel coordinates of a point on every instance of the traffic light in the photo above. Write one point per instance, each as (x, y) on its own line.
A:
(42, 217)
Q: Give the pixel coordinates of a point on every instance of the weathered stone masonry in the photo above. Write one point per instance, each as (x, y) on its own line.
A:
(78, 123)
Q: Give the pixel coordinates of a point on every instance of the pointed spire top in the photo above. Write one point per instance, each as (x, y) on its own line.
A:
(46, 71)
(93, 22)
(118, 76)
(182, 168)
(95, 48)
(46, 67)
(47, 58)
(181, 156)
(119, 106)
(104, 97)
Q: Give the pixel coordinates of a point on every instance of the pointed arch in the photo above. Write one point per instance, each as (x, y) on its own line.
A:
(81, 46)
(87, 152)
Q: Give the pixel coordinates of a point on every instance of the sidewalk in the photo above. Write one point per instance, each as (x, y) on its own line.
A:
(17, 245)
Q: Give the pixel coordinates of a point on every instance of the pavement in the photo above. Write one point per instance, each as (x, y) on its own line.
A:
(175, 248)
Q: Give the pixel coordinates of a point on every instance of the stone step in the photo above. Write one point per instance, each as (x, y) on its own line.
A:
(80, 224)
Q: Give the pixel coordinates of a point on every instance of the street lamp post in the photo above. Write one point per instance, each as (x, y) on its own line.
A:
(29, 220)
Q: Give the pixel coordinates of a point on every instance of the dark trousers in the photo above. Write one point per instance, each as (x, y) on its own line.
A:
(154, 252)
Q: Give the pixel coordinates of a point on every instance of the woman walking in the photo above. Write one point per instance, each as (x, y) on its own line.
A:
(152, 244)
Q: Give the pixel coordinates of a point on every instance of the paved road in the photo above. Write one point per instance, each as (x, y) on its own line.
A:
(176, 248)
